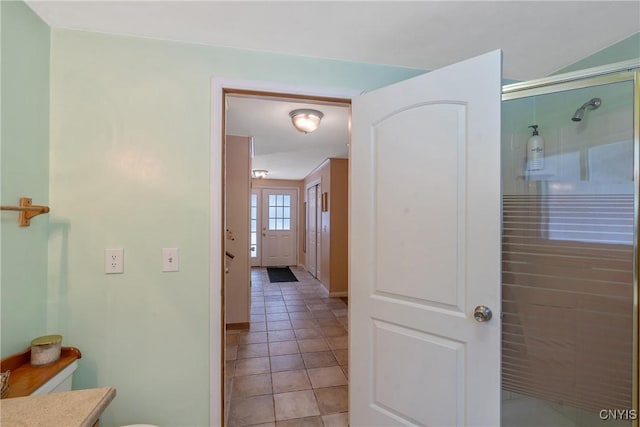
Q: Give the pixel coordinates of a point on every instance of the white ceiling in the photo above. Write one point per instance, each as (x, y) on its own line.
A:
(281, 149)
(537, 38)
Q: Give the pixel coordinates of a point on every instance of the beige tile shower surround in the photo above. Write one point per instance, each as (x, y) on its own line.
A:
(290, 368)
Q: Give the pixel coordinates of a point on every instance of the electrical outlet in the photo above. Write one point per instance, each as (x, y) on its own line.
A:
(170, 260)
(113, 261)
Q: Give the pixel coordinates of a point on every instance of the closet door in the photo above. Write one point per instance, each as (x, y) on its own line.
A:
(318, 232)
(312, 253)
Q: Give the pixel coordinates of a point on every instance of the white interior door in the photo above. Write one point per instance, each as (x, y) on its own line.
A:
(318, 274)
(312, 225)
(279, 227)
(425, 249)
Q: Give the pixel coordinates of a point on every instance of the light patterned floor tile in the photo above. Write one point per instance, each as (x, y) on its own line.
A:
(332, 400)
(284, 335)
(301, 422)
(257, 365)
(296, 404)
(326, 377)
(338, 343)
(319, 359)
(251, 410)
(252, 385)
(290, 381)
(280, 348)
(247, 351)
(287, 362)
(290, 367)
(342, 356)
(336, 420)
(311, 345)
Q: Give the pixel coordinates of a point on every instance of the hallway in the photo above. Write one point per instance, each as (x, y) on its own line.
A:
(290, 368)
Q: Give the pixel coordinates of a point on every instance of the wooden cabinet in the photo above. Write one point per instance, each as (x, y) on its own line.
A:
(236, 243)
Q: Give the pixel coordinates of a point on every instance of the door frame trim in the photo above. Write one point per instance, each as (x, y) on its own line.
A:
(219, 88)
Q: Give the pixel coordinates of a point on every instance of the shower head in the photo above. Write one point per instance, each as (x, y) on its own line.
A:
(592, 104)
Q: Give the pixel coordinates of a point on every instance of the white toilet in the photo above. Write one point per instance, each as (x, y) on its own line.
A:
(62, 382)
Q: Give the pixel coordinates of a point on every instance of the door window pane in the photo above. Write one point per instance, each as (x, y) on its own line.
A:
(254, 226)
(279, 212)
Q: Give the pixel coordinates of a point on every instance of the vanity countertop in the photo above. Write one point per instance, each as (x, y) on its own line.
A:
(77, 408)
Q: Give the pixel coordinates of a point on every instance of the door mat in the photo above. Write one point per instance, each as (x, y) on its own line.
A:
(281, 274)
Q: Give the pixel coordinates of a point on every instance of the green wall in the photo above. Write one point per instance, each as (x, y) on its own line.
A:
(624, 50)
(24, 172)
(130, 165)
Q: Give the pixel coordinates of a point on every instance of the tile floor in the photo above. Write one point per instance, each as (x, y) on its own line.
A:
(290, 368)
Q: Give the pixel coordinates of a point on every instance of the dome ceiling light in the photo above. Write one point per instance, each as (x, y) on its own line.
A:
(306, 120)
(259, 173)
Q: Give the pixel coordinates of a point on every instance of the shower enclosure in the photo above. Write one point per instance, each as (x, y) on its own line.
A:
(569, 250)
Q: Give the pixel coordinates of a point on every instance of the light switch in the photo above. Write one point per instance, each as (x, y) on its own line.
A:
(170, 259)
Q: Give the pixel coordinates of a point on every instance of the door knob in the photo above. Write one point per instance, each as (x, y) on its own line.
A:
(482, 313)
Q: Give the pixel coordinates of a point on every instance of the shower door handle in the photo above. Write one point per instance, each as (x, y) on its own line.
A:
(482, 313)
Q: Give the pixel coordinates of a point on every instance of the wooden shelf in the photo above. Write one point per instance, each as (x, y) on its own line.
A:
(25, 379)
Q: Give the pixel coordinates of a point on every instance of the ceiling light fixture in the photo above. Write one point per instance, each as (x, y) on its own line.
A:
(259, 173)
(306, 120)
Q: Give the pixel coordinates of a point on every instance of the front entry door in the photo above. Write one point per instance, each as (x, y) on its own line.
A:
(279, 227)
(425, 249)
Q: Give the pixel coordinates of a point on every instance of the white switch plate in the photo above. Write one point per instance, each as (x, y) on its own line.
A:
(114, 261)
(170, 259)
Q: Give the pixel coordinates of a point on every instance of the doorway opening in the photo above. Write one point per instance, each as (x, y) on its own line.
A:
(294, 346)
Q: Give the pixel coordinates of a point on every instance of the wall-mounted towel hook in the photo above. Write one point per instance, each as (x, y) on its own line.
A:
(27, 211)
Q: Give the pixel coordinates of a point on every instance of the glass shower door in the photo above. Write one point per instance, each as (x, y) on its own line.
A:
(568, 258)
